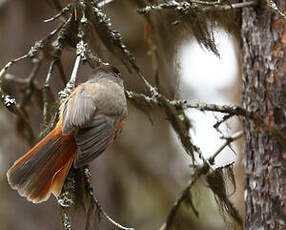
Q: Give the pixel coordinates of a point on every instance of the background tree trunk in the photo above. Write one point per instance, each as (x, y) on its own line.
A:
(263, 52)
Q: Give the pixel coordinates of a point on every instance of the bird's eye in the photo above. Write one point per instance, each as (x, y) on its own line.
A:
(116, 71)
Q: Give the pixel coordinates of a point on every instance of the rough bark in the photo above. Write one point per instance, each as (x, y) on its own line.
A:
(263, 62)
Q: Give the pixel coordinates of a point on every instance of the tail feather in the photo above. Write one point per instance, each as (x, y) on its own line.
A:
(43, 169)
(60, 176)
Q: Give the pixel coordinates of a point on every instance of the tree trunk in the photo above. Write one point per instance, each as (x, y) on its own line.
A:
(264, 81)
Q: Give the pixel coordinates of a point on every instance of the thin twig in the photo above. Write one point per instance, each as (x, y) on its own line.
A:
(47, 92)
(102, 3)
(62, 12)
(184, 6)
(200, 171)
(75, 68)
(96, 202)
(183, 104)
(227, 142)
(184, 195)
(71, 83)
(116, 224)
(273, 6)
(224, 119)
(230, 6)
(51, 67)
(205, 2)
(39, 45)
(227, 109)
(63, 33)
(9, 64)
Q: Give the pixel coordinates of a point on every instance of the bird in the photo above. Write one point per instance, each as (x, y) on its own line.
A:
(89, 120)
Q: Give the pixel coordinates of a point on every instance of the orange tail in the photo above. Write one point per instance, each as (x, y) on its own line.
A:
(43, 169)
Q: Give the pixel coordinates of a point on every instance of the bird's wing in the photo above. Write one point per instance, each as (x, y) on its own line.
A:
(78, 110)
(95, 138)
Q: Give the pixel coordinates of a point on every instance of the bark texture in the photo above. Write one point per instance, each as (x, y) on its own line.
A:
(264, 81)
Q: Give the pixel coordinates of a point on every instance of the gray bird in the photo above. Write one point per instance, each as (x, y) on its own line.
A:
(90, 119)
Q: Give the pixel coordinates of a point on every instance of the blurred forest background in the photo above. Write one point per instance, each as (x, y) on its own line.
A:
(139, 178)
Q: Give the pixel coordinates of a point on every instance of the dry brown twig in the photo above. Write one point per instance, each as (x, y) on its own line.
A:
(200, 171)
